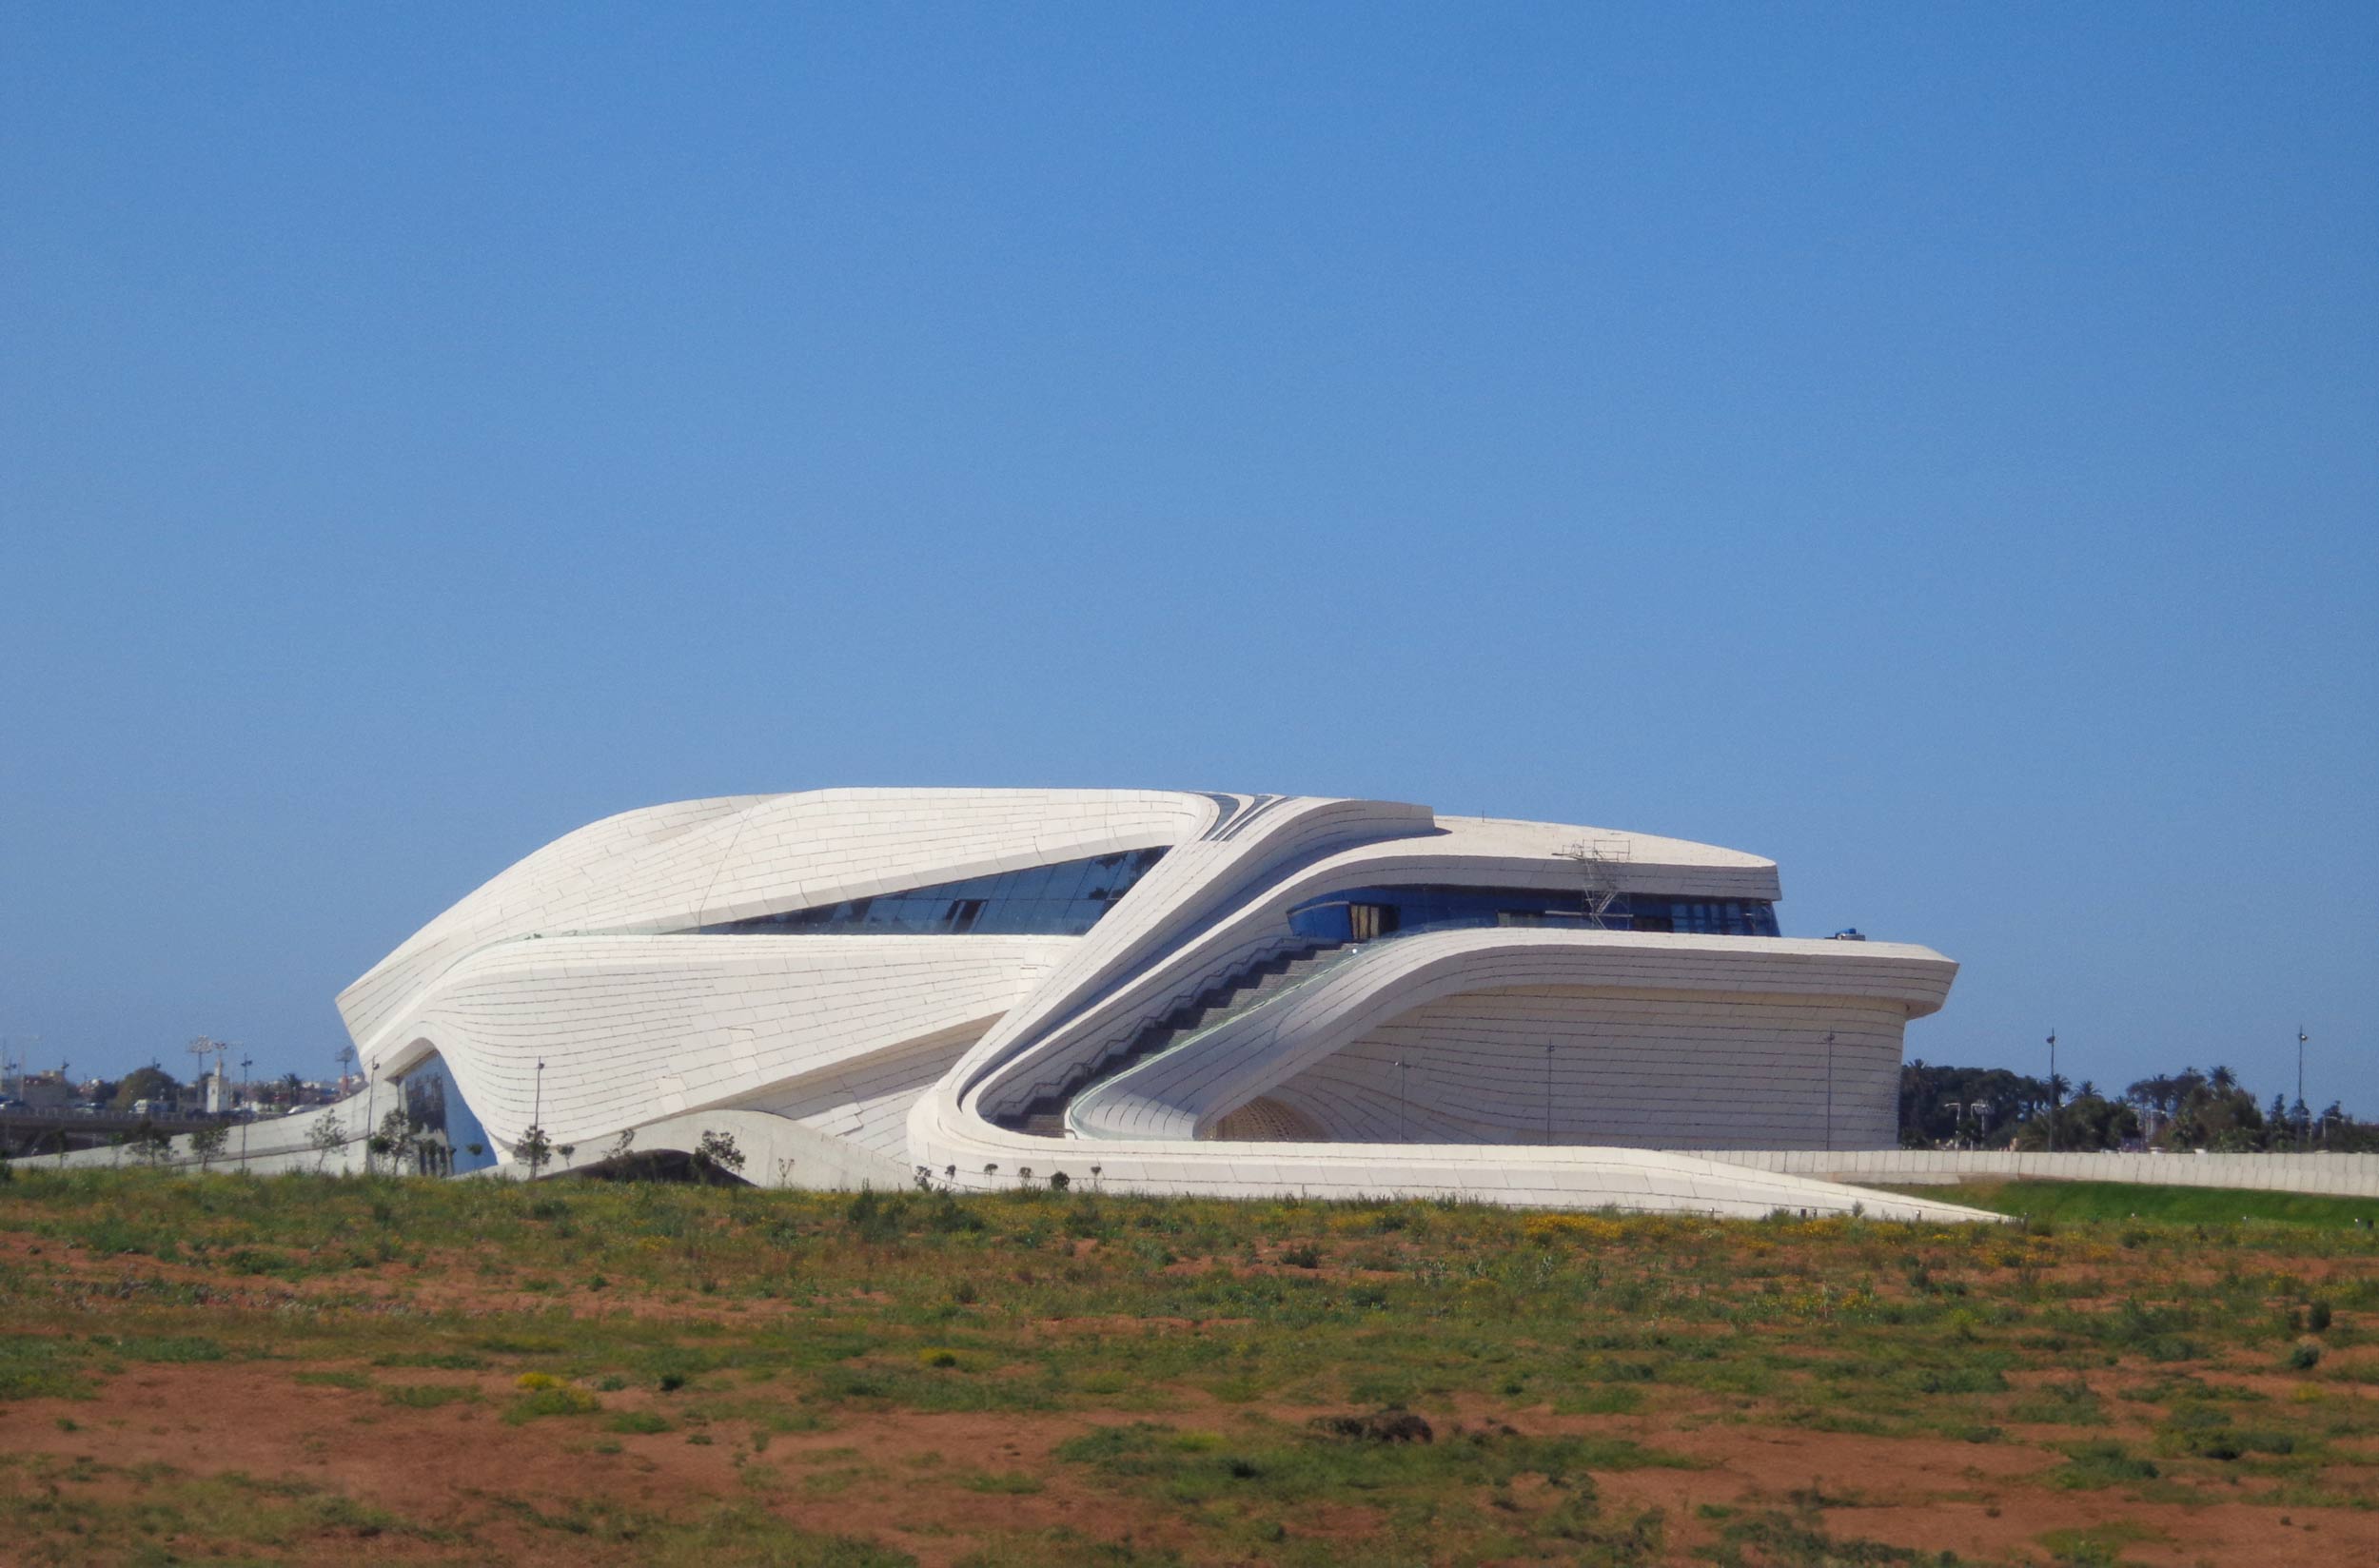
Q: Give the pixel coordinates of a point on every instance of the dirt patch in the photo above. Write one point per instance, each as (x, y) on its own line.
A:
(914, 1481)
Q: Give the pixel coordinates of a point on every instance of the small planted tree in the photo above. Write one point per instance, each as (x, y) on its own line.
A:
(324, 1139)
(716, 1153)
(149, 1145)
(534, 1149)
(396, 1140)
(208, 1142)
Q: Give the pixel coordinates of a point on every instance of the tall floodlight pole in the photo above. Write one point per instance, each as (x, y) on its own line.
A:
(201, 1048)
(1829, 1088)
(245, 1062)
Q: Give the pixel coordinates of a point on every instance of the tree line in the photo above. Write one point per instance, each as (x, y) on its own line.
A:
(1992, 1107)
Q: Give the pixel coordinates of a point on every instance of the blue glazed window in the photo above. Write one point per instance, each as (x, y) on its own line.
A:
(1379, 911)
(1065, 898)
(451, 1139)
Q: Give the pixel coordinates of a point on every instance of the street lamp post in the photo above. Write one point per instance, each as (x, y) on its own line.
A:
(1548, 1091)
(245, 1062)
(2053, 1094)
(371, 1091)
(1829, 1089)
(2304, 1132)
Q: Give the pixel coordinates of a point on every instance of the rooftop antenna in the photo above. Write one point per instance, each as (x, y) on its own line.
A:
(1601, 863)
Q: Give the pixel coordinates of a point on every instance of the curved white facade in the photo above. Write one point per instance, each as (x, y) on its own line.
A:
(1157, 991)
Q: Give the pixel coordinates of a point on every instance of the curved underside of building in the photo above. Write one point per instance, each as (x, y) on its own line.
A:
(1154, 991)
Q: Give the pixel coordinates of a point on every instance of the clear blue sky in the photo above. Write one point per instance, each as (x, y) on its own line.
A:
(1934, 445)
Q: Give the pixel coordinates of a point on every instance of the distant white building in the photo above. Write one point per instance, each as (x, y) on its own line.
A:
(46, 1091)
(1150, 990)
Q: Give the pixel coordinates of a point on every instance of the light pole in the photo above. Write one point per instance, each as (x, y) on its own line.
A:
(24, 1043)
(371, 1088)
(1829, 1089)
(245, 1062)
(2053, 1094)
(2303, 1132)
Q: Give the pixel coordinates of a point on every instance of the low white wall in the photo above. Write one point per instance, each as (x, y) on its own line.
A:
(777, 1151)
(2343, 1175)
(273, 1144)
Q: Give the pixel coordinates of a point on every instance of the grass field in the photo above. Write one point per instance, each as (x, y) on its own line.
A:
(300, 1369)
(2118, 1201)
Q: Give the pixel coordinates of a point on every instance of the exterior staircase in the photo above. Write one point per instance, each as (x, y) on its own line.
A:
(1045, 1114)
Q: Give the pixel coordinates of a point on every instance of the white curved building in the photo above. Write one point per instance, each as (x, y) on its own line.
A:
(1153, 992)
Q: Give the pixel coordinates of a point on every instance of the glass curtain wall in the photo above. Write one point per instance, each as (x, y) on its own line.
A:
(1362, 913)
(1063, 899)
(448, 1138)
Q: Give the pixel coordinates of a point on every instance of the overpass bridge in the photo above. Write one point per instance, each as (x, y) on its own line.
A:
(26, 1133)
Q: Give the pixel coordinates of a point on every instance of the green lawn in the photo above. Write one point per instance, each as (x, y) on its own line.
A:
(2118, 1201)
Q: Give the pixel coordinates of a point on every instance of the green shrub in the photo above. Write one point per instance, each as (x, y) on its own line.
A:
(2090, 1465)
(551, 1402)
(639, 1420)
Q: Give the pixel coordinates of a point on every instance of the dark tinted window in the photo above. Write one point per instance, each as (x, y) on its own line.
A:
(1063, 899)
(1407, 909)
